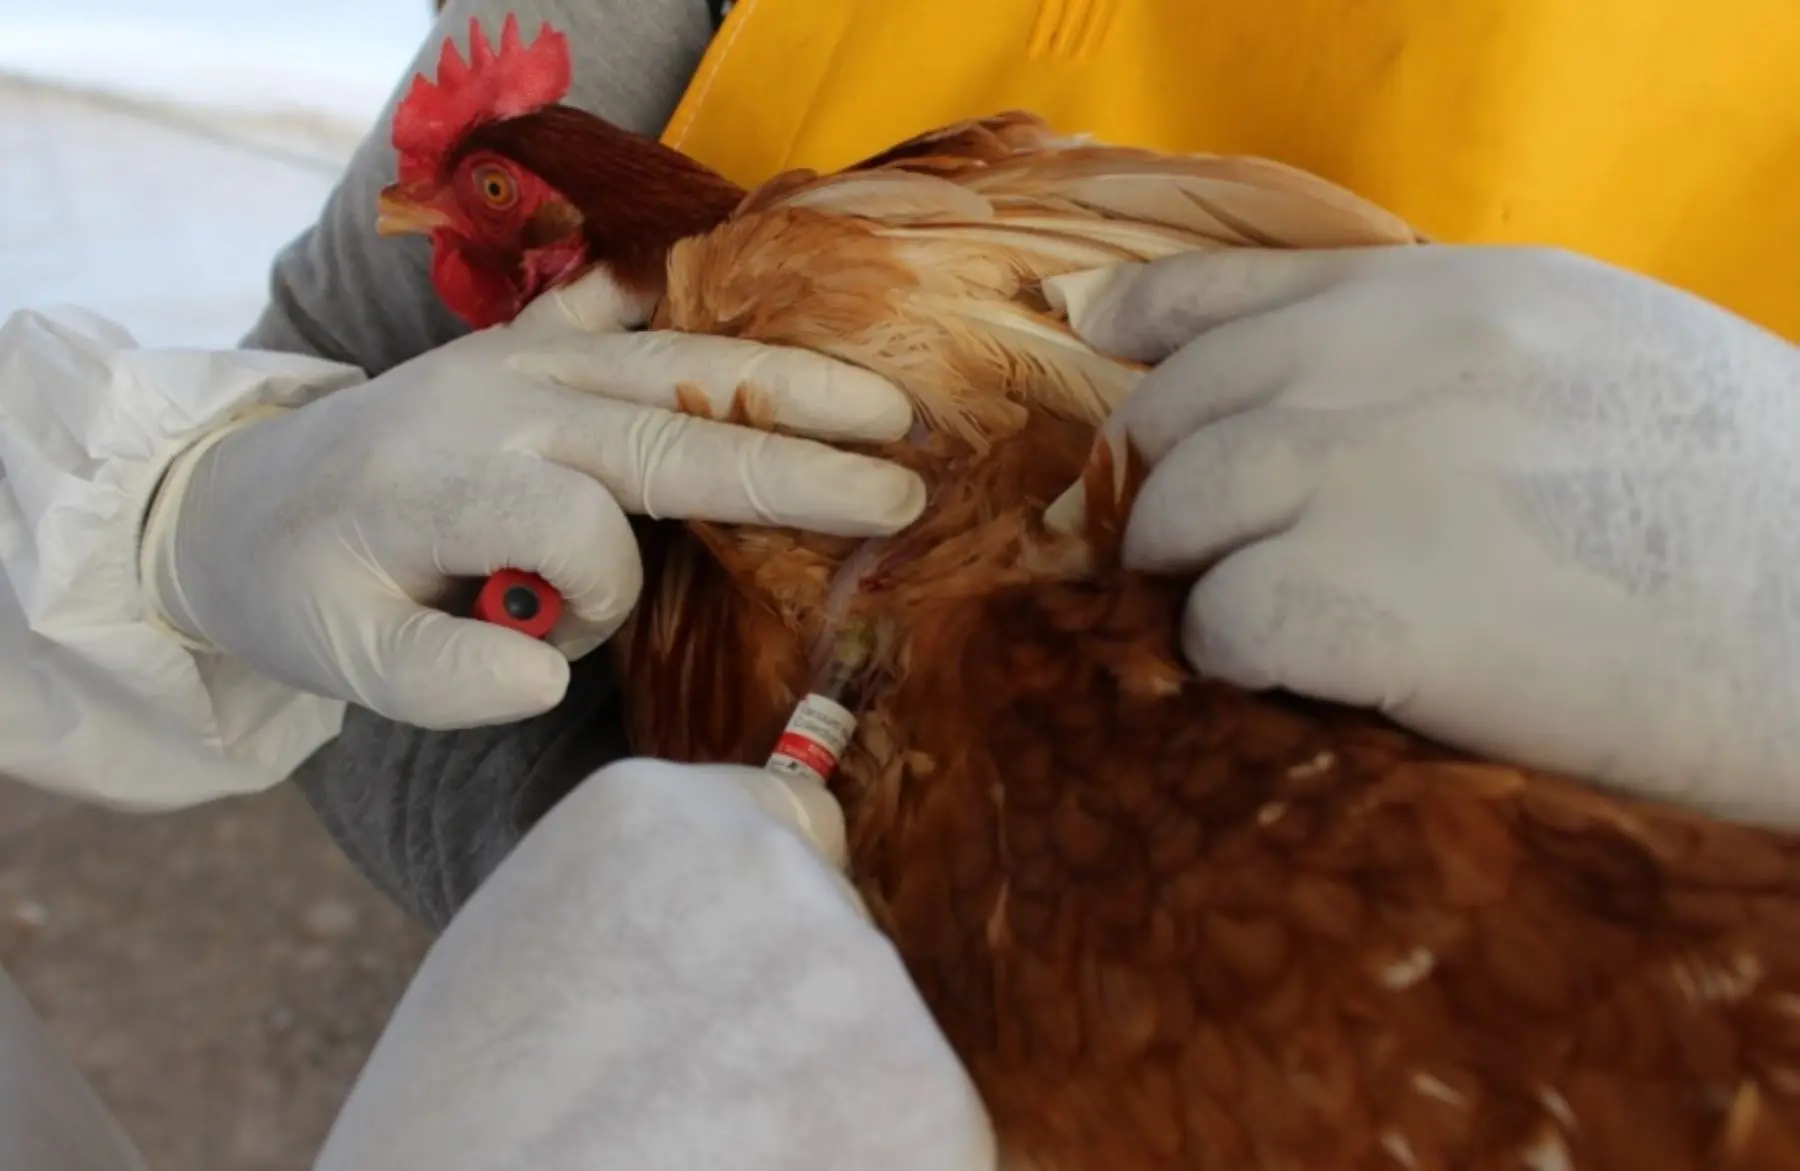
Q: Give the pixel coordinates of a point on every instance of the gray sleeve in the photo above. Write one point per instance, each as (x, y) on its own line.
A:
(428, 815)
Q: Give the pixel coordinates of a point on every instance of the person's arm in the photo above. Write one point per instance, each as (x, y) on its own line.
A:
(427, 815)
(672, 971)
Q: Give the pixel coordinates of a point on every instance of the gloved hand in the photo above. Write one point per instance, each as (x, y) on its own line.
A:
(1525, 503)
(307, 545)
(664, 974)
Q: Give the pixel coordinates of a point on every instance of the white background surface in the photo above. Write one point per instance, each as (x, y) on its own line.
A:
(160, 152)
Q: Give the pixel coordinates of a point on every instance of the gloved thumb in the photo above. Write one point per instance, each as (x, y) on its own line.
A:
(434, 671)
(1269, 616)
(804, 804)
(592, 303)
(810, 808)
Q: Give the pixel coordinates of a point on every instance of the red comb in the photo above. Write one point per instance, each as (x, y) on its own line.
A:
(434, 117)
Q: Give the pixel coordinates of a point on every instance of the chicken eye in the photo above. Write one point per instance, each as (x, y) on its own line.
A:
(497, 188)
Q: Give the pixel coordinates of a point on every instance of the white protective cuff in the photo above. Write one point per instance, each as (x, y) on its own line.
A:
(96, 700)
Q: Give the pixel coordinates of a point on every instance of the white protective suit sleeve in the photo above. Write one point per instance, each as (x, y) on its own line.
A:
(668, 972)
(50, 1118)
(94, 700)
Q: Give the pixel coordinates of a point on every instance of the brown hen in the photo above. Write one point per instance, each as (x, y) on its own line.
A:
(1168, 924)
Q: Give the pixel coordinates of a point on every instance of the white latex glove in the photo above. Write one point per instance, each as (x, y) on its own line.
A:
(664, 975)
(1525, 503)
(309, 545)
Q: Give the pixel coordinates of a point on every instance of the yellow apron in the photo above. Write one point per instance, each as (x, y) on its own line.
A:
(1660, 135)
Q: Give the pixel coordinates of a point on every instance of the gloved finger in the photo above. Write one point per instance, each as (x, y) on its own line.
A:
(1270, 615)
(1232, 369)
(1145, 312)
(1236, 481)
(662, 464)
(433, 671)
(802, 391)
(554, 521)
(1239, 365)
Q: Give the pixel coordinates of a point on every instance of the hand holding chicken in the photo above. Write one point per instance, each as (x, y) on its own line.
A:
(309, 545)
(1520, 501)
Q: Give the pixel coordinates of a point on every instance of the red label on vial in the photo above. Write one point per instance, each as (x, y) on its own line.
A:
(810, 753)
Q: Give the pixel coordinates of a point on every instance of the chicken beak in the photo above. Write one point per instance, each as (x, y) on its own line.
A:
(399, 213)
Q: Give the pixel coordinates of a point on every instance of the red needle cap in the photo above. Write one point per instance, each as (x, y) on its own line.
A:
(524, 601)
